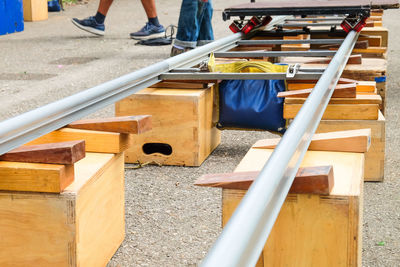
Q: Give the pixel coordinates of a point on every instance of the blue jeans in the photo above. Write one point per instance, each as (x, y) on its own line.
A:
(194, 26)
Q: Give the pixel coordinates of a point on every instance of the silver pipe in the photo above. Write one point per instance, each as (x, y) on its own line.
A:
(244, 236)
(309, 41)
(30, 125)
(309, 53)
(318, 19)
(319, 24)
(33, 124)
(307, 74)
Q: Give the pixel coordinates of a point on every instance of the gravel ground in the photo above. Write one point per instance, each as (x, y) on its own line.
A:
(169, 222)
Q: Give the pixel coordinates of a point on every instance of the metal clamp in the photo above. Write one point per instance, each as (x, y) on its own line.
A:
(292, 70)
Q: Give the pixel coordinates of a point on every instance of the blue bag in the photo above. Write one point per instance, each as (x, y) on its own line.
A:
(53, 6)
(251, 104)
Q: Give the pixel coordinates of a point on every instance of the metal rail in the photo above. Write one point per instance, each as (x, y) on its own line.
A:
(250, 54)
(306, 74)
(278, 42)
(33, 124)
(319, 24)
(244, 236)
(317, 19)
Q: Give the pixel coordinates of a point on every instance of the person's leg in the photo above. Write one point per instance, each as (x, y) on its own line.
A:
(104, 6)
(150, 8)
(95, 24)
(206, 34)
(153, 28)
(188, 27)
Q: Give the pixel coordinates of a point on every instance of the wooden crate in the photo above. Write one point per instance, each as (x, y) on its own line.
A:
(312, 230)
(35, 10)
(375, 157)
(82, 226)
(184, 120)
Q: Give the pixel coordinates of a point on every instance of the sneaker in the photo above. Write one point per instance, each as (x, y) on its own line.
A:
(149, 31)
(177, 51)
(90, 25)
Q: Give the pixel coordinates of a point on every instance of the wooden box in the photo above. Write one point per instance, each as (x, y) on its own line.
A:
(183, 132)
(35, 10)
(375, 157)
(82, 226)
(312, 230)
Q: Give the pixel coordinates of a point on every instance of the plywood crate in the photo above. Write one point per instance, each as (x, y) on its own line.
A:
(375, 157)
(35, 10)
(312, 230)
(82, 226)
(184, 120)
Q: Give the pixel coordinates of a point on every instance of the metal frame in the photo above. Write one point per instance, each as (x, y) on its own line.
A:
(251, 54)
(303, 74)
(295, 11)
(280, 42)
(318, 19)
(33, 124)
(245, 234)
(319, 24)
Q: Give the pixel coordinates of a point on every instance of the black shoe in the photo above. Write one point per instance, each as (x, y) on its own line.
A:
(90, 25)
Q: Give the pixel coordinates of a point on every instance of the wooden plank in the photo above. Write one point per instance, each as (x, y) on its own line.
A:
(353, 59)
(359, 44)
(366, 86)
(377, 31)
(370, 50)
(372, 40)
(55, 153)
(341, 91)
(310, 180)
(338, 111)
(123, 124)
(95, 141)
(356, 141)
(359, 99)
(35, 177)
(361, 86)
(375, 157)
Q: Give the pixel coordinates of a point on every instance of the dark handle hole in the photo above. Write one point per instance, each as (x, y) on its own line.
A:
(151, 148)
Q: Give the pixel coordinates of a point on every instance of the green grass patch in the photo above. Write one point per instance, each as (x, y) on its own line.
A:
(68, 2)
(381, 244)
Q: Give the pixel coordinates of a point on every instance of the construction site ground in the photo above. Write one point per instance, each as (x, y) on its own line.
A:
(170, 222)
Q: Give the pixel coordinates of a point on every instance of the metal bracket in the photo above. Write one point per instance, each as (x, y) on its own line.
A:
(292, 70)
(354, 22)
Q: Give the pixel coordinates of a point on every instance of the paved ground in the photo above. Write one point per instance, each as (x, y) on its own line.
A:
(169, 222)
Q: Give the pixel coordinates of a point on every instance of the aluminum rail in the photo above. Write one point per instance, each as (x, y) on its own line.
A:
(310, 53)
(278, 42)
(317, 19)
(319, 24)
(307, 74)
(33, 124)
(30, 125)
(245, 234)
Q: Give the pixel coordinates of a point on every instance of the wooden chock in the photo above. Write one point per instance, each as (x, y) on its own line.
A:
(123, 124)
(309, 180)
(357, 141)
(51, 153)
